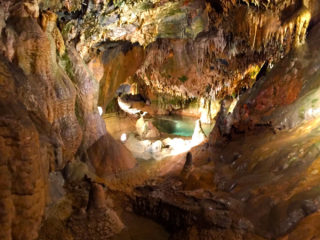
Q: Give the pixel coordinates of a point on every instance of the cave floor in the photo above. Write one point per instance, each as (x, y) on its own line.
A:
(271, 181)
(140, 228)
(259, 185)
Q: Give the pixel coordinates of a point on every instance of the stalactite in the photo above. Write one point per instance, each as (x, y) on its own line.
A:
(202, 52)
(219, 41)
(265, 27)
(258, 29)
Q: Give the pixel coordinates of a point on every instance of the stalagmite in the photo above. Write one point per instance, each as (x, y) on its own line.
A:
(187, 167)
(81, 159)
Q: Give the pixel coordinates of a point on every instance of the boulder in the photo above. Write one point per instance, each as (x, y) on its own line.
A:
(146, 129)
(139, 148)
(108, 156)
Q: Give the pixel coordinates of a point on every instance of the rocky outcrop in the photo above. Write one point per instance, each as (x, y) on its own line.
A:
(146, 129)
(140, 21)
(48, 113)
(222, 43)
(108, 156)
(119, 63)
(228, 56)
(184, 212)
(264, 183)
(49, 117)
(187, 167)
(97, 221)
(24, 162)
(272, 143)
(48, 92)
(284, 100)
(87, 97)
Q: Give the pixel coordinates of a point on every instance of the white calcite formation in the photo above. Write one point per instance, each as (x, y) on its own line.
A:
(126, 107)
(160, 149)
(146, 129)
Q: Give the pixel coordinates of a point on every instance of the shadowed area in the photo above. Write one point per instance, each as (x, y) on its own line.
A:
(158, 119)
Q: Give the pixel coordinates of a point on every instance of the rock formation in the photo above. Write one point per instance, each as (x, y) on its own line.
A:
(146, 129)
(187, 167)
(108, 156)
(48, 113)
(98, 221)
(61, 59)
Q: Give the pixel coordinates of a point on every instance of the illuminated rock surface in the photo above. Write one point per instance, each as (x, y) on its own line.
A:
(63, 176)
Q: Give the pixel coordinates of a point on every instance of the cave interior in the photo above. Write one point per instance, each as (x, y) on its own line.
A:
(159, 119)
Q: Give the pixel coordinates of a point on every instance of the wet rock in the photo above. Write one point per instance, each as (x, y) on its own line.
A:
(217, 218)
(307, 229)
(45, 88)
(124, 64)
(87, 100)
(244, 224)
(179, 210)
(146, 129)
(309, 207)
(49, 112)
(24, 166)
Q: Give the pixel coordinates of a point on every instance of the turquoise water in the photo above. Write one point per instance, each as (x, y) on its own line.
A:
(178, 125)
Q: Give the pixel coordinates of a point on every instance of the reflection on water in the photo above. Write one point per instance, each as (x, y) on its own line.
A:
(178, 125)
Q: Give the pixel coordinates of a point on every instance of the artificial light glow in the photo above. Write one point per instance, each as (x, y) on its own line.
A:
(100, 110)
(198, 134)
(160, 149)
(123, 137)
(233, 105)
(126, 107)
(313, 112)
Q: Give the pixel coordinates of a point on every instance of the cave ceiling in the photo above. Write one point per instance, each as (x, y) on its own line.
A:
(190, 48)
(61, 59)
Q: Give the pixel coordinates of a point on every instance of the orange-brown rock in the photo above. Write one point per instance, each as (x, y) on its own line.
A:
(108, 156)
(97, 198)
(307, 229)
(24, 163)
(48, 113)
(97, 222)
(118, 67)
(87, 98)
(263, 184)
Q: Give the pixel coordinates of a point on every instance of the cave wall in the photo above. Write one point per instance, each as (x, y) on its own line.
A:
(119, 63)
(229, 55)
(48, 117)
(288, 96)
(193, 48)
(263, 168)
(48, 99)
(25, 160)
